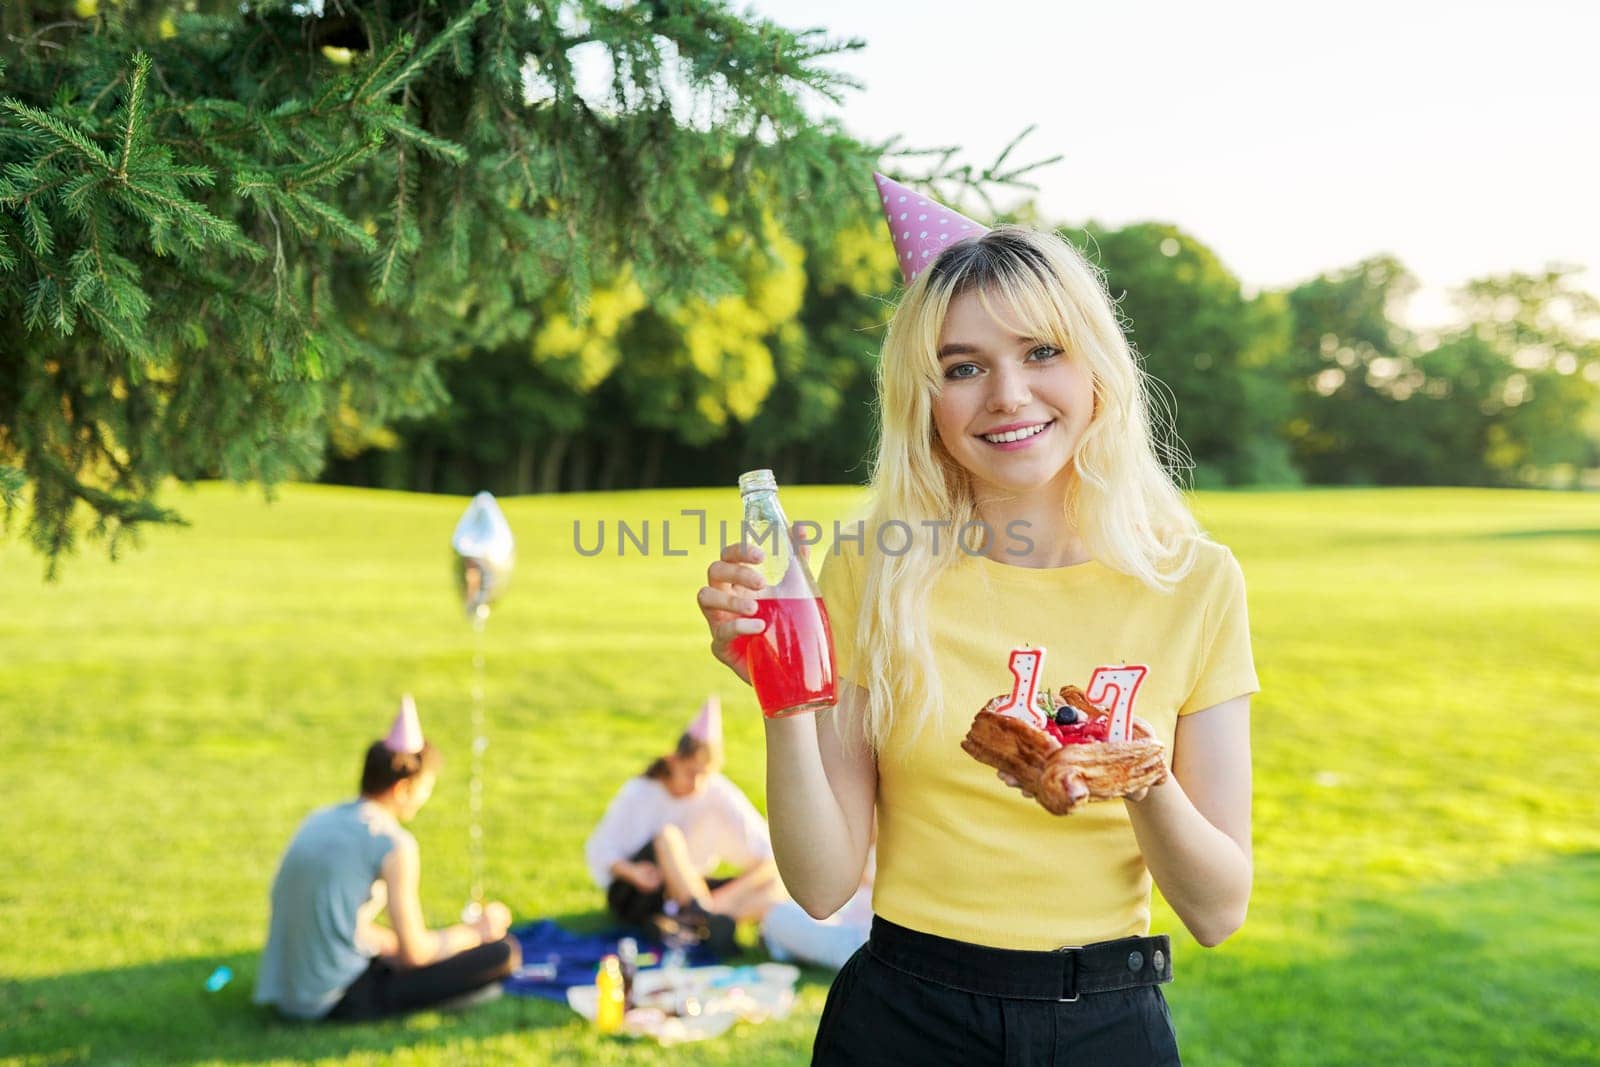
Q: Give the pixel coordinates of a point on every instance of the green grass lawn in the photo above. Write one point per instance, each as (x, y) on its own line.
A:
(1427, 841)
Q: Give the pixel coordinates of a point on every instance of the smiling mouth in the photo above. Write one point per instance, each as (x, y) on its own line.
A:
(1013, 436)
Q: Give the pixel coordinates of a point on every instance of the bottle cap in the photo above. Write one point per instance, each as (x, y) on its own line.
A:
(756, 481)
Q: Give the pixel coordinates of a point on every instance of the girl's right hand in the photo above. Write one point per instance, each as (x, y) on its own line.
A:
(493, 922)
(645, 876)
(726, 603)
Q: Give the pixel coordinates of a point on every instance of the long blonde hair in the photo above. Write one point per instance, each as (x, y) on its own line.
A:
(1125, 505)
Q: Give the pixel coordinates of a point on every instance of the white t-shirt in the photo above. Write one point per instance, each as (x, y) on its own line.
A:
(718, 823)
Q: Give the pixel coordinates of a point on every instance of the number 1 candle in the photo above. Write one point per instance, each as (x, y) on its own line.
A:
(1027, 664)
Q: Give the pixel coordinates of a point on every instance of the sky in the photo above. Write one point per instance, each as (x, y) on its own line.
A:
(1291, 138)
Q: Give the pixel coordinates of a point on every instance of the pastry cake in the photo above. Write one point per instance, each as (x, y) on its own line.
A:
(1066, 738)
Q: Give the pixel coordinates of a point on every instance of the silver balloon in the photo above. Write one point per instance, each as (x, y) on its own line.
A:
(485, 555)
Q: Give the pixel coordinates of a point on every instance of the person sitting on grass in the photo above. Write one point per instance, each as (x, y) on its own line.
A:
(668, 828)
(326, 955)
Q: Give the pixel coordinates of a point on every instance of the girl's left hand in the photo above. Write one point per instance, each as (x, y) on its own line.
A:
(1143, 729)
(1013, 783)
(1077, 790)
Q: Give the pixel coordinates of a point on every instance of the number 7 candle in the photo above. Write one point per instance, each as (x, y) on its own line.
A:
(1114, 688)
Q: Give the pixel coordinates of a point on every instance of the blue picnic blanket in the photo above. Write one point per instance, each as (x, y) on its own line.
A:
(554, 959)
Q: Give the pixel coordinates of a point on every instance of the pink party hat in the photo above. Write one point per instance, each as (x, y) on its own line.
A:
(406, 733)
(921, 228)
(707, 726)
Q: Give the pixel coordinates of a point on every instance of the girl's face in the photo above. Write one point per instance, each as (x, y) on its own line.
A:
(686, 775)
(411, 793)
(997, 383)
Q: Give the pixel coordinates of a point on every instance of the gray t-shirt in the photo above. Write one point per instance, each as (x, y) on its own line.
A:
(324, 881)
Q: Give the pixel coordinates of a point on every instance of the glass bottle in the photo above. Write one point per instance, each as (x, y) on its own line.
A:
(791, 661)
(628, 959)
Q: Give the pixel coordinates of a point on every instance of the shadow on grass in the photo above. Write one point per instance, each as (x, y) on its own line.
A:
(161, 1013)
(1500, 971)
(1554, 533)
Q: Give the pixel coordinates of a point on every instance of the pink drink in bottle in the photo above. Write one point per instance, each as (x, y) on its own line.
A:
(791, 661)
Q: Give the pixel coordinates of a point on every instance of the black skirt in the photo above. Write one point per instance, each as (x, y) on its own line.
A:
(912, 998)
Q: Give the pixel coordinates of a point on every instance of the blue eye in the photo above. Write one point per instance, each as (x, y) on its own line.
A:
(1048, 350)
(953, 376)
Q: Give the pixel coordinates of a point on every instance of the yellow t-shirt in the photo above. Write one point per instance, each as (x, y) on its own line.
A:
(961, 855)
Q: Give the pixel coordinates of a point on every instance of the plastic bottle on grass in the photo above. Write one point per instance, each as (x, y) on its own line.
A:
(609, 1005)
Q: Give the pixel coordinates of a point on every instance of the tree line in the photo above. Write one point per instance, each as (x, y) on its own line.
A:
(1321, 383)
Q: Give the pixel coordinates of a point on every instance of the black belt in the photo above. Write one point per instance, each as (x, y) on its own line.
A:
(1062, 974)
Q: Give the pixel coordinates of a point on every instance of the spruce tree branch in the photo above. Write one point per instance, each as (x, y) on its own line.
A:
(331, 169)
(23, 200)
(200, 221)
(51, 530)
(336, 219)
(393, 55)
(12, 479)
(438, 147)
(141, 70)
(391, 256)
(41, 265)
(130, 343)
(67, 135)
(280, 268)
(92, 227)
(425, 55)
(41, 233)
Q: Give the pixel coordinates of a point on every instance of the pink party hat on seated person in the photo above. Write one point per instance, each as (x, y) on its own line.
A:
(406, 733)
(707, 725)
(921, 228)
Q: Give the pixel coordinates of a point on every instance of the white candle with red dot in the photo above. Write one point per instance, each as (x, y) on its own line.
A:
(1114, 688)
(1027, 666)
